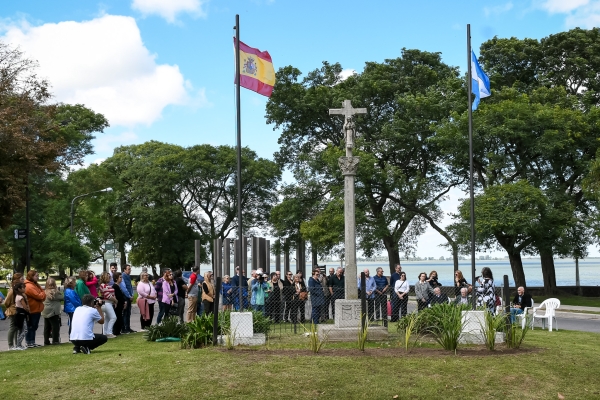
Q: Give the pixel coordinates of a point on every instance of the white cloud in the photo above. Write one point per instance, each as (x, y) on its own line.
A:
(562, 6)
(168, 9)
(580, 13)
(106, 143)
(104, 65)
(498, 9)
(347, 73)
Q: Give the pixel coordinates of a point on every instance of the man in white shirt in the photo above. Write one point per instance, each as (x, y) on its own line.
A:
(82, 326)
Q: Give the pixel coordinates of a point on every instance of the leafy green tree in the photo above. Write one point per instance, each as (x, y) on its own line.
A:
(399, 165)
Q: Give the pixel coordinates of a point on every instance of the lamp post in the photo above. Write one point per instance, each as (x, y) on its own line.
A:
(73, 206)
(80, 196)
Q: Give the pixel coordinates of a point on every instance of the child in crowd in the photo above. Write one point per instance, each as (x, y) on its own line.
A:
(22, 306)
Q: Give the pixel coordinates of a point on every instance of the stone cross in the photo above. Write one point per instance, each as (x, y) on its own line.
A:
(348, 113)
(349, 165)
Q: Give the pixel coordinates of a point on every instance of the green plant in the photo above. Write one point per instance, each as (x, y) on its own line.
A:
(422, 324)
(314, 342)
(409, 328)
(199, 332)
(261, 323)
(447, 324)
(363, 332)
(490, 326)
(168, 327)
(514, 335)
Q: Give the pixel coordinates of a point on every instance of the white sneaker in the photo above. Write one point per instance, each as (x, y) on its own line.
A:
(111, 336)
(20, 348)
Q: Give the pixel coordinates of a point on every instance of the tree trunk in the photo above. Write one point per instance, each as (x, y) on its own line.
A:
(516, 265)
(548, 271)
(123, 255)
(155, 273)
(315, 260)
(455, 256)
(393, 254)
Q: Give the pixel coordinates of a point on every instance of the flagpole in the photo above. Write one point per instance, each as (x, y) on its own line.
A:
(239, 156)
(471, 190)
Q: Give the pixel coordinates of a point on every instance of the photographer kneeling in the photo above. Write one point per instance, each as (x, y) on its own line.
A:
(82, 326)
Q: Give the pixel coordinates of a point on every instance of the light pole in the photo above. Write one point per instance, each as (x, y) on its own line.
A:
(73, 206)
(80, 196)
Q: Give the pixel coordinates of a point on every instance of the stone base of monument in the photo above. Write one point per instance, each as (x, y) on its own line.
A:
(258, 339)
(242, 331)
(347, 324)
(472, 333)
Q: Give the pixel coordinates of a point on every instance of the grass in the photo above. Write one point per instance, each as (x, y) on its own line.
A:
(572, 300)
(130, 368)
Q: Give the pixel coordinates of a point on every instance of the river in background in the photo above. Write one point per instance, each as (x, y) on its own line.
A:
(589, 270)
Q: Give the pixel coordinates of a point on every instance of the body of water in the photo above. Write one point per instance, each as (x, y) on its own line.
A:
(589, 270)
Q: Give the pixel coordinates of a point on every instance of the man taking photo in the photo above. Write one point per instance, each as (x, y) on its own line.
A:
(82, 326)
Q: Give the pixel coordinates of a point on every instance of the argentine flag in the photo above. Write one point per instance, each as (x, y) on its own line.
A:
(481, 83)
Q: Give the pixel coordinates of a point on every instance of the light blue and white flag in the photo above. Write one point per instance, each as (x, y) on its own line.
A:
(481, 83)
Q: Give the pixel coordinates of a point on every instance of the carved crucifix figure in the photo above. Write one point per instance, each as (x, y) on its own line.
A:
(349, 128)
(349, 165)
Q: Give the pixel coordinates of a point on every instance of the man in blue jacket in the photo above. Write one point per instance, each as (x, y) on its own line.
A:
(127, 290)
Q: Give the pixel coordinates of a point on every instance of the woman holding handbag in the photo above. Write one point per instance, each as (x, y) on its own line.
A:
(298, 299)
(169, 298)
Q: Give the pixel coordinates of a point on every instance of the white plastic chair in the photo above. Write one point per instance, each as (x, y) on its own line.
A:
(523, 315)
(546, 312)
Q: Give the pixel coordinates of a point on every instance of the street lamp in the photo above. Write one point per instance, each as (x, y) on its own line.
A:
(80, 196)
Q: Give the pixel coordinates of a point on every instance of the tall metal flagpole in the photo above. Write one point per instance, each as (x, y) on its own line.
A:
(239, 153)
(471, 190)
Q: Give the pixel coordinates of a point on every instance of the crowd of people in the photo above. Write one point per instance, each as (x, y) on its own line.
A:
(108, 300)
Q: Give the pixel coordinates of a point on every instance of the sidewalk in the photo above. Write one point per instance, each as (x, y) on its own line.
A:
(64, 330)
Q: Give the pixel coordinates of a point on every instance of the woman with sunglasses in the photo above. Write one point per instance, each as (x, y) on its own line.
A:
(288, 294)
(460, 282)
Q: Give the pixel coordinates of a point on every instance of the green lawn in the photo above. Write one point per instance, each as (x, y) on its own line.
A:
(130, 368)
(572, 300)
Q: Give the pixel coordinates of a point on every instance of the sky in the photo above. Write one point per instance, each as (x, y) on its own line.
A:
(163, 69)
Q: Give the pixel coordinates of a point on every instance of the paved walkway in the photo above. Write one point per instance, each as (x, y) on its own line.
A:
(64, 330)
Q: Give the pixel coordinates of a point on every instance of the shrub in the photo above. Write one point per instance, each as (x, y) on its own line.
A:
(199, 332)
(168, 327)
(447, 324)
(491, 324)
(514, 335)
(409, 327)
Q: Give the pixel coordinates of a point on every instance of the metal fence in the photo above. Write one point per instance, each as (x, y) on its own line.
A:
(291, 311)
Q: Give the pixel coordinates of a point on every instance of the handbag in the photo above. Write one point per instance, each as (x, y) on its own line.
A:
(302, 296)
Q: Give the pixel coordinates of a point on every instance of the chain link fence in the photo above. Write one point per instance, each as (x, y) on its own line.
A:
(291, 310)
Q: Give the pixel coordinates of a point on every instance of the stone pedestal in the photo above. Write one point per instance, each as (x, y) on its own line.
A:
(347, 324)
(242, 330)
(473, 323)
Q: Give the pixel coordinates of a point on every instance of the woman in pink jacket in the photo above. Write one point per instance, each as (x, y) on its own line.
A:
(145, 301)
(169, 292)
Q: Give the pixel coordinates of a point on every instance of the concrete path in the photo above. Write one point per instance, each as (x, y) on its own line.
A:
(64, 330)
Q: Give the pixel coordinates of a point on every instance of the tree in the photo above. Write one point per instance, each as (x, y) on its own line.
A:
(399, 175)
(36, 137)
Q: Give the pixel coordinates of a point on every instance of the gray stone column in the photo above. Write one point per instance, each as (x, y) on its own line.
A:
(348, 165)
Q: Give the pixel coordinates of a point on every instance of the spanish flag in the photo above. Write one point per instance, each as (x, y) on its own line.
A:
(256, 70)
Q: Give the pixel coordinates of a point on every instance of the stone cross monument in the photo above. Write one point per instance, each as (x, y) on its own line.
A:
(348, 165)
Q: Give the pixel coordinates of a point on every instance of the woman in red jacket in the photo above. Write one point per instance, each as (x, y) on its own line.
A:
(35, 297)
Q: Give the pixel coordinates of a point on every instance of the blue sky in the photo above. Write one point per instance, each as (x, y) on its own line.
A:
(163, 69)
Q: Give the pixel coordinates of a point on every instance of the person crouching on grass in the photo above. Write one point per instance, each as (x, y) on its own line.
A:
(82, 331)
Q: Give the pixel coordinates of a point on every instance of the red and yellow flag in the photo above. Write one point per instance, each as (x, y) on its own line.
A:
(256, 70)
